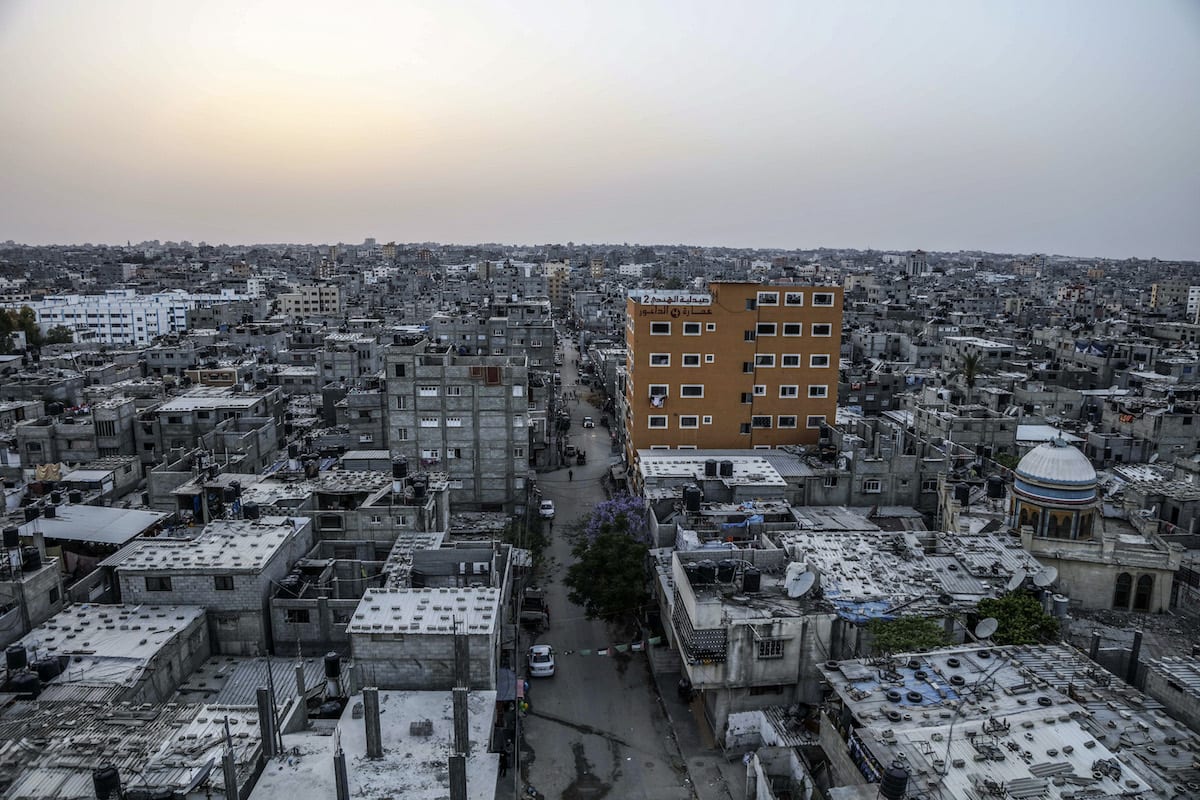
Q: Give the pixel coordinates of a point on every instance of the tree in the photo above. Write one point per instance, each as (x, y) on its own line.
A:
(624, 512)
(59, 334)
(970, 372)
(906, 634)
(608, 578)
(1022, 619)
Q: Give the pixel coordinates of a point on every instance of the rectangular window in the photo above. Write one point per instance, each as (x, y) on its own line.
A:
(691, 390)
(790, 359)
(764, 360)
(744, 428)
(786, 421)
(401, 402)
(872, 486)
(747, 397)
(830, 481)
(748, 336)
(770, 648)
(158, 583)
(789, 391)
(706, 420)
(401, 434)
(430, 422)
(223, 583)
(765, 329)
(929, 485)
(689, 421)
(820, 390)
(768, 298)
(814, 421)
(710, 327)
(751, 304)
(691, 329)
(660, 329)
(518, 391)
(453, 391)
(747, 367)
(518, 421)
(657, 421)
(822, 329)
(691, 359)
(659, 390)
(660, 359)
(760, 390)
(822, 298)
(793, 329)
(821, 360)
(427, 391)
(296, 616)
(431, 455)
(793, 298)
(709, 358)
(518, 452)
(453, 422)
(760, 422)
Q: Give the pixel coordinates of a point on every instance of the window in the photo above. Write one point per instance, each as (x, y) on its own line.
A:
(689, 421)
(706, 420)
(660, 359)
(434, 454)
(793, 329)
(872, 486)
(518, 421)
(223, 583)
(658, 421)
(709, 358)
(751, 304)
(691, 390)
(658, 394)
(174, 420)
(747, 397)
(786, 421)
(770, 648)
(296, 616)
(768, 298)
(401, 434)
(761, 690)
(929, 485)
(429, 422)
(765, 329)
(814, 421)
(710, 327)
(760, 390)
(518, 452)
(453, 452)
(822, 329)
(764, 360)
(818, 391)
(822, 298)
(760, 422)
(518, 391)
(789, 391)
(744, 428)
(818, 361)
(660, 329)
(790, 359)
(793, 298)
(53, 595)
(691, 359)
(830, 482)
(748, 336)
(747, 366)
(158, 583)
(1123, 591)
(401, 402)
(691, 329)
(427, 391)
(453, 422)
(453, 391)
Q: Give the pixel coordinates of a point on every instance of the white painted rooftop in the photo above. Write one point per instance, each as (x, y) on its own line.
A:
(430, 611)
(227, 545)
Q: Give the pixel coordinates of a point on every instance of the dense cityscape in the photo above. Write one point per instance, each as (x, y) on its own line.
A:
(424, 521)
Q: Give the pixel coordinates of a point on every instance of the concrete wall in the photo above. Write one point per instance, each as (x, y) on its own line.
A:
(421, 662)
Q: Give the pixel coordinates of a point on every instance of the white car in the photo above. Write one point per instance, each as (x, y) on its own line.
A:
(540, 659)
(588, 422)
(546, 509)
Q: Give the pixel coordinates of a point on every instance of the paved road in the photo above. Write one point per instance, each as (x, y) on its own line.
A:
(596, 729)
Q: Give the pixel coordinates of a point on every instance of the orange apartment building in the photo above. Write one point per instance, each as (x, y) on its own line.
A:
(740, 366)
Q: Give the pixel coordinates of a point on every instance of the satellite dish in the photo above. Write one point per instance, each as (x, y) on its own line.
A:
(986, 628)
(1016, 580)
(798, 582)
(1046, 576)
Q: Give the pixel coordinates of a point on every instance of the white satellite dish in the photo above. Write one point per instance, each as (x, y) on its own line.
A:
(1015, 581)
(1046, 576)
(986, 628)
(798, 581)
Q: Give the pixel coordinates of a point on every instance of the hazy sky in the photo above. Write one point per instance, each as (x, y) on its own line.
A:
(1039, 126)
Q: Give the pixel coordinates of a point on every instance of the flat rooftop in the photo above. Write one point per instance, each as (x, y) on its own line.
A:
(209, 397)
(227, 545)
(85, 523)
(429, 611)
(747, 469)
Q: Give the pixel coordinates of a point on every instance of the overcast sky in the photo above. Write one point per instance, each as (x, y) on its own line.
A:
(1039, 126)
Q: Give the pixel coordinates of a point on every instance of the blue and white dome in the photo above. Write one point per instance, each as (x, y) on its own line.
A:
(1056, 472)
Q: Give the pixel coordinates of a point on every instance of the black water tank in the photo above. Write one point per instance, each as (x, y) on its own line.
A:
(237, 488)
(692, 495)
(25, 685)
(420, 486)
(107, 782)
(49, 512)
(31, 559)
(399, 469)
(726, 569)
(692, 571)
(16, 657)
(75, 496)
(56, 497)
(12, 538)
(962, 493)
(751, 580)
(710, 468)
(333, 666)
(726, 469)
(293, 450)
(228, 494)
(32, 513)
(47, 668)
(894, 784)
(251, 511)
(995, 487)
(708, 571)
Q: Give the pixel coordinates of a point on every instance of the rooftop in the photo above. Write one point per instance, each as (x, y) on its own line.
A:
(227, 545)
(86, 523)
(430, 611)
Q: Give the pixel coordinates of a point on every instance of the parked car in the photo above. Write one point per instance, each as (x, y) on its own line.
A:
(546, 509)
(540, 659)
(588, 422)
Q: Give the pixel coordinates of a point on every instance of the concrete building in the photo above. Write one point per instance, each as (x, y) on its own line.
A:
(312, 300)
(740, 366)
(1175, 682)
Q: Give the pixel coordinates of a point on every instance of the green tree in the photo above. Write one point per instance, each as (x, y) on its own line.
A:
(906, 634)
(59, 334)
(1022, 619)
(608, 578)
(970, 373)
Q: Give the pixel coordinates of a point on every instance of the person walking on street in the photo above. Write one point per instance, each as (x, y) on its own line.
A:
(503, 763)
(570, 474)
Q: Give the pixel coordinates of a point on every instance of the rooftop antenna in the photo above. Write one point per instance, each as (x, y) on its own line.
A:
(986, 628)
(1015, 581)
(1046, 577)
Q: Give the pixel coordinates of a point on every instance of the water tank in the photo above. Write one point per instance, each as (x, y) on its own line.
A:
(995, 487)
(726, 469)
(47, 668)
(107, 782)
(894, 784)
(237, 488)
(692, 571)
(962, 493)
(290, 586)
(31, 559)
(12, 538)
(751, 579)
(420, 486)
(228, 494)
(56, 497)
(710, 468)
(726, 569)
(708, 571)
(16, 657)
(25, 685)
(692, 497)
(32, 513)
(49, 512)
(333, 666)
(311, 468)
(251, 511)
(1061, 604)
(75, 496)
(399, 469)
(293, 450)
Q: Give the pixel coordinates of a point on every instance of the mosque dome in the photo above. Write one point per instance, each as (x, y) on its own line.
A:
(1056, 471)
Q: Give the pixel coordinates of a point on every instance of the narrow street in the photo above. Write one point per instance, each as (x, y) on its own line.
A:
(595, 729)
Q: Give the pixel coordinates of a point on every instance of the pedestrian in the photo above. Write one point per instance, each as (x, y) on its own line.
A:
(503, 763)
(570, 474)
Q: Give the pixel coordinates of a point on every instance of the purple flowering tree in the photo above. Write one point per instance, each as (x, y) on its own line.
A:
(625, 513)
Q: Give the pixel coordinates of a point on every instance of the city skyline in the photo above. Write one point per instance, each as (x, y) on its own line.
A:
(1066, 129)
